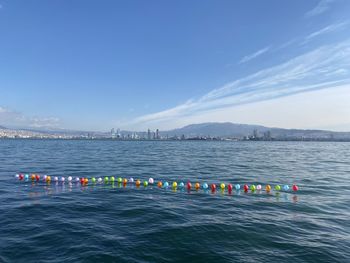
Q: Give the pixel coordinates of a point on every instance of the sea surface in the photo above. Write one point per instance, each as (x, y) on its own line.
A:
(42, 222)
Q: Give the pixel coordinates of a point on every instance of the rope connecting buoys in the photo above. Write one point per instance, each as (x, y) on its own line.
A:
(150, 182)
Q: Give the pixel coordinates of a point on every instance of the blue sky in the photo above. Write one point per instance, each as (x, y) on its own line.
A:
(94, 65)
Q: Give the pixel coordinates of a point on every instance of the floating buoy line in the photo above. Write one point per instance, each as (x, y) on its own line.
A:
(84, 181)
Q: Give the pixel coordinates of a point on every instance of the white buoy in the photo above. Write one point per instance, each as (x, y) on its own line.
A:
(151, 181)
(99, 180)
(69, 178)
(77, 179)
(56, 179)
(17, 176)
(131, 180)
(63, 179)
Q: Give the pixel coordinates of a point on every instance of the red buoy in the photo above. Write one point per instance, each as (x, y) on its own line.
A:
(189, 186)
(246, 188)
(213, 187)
(295, 187)
(229, 187)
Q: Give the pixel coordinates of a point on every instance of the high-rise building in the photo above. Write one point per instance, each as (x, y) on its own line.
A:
(149, 134)
(113, 133)
(157, 134)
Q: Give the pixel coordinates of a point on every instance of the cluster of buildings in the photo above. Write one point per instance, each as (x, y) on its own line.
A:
(149, 135)
(26, 134)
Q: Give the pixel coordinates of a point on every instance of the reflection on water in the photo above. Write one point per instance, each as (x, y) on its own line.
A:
(47, 189)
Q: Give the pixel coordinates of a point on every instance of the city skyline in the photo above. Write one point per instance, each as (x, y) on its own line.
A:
(160, 65)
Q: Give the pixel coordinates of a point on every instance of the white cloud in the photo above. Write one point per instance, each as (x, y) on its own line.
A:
(254, 55)
(325, 67)
(320, 8)
(12, 118)
(326, 30)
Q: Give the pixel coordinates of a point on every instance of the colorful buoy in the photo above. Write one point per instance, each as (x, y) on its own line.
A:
(252, 188)
(145, 183)
(205, 186)
(166, 185)
(93, 180)
(159, 184)
(258, 187)
(268, 188)
(197, 186)
(181, 185)
(151, 181)
(70, 178)
(229, 187)
(138, 183)
(112, 179)
(285, 187)
(246, 188)
(238, 186)
(120, 180)
(213, 187)
(189, 186)
(278, 187)
(295, 188)
(174, 185)
(222, 186)
(131, 180)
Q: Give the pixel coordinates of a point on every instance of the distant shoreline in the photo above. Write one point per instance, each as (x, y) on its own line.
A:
(176, 140)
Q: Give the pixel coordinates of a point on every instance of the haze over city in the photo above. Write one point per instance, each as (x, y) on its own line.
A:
(135, 65)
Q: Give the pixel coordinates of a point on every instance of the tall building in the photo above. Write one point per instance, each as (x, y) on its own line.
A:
(148, 134)
(157, 134)
(113, 133)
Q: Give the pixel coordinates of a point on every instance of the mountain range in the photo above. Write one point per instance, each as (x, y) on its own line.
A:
(228, 129)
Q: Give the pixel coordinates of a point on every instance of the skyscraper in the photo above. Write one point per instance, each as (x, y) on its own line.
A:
(149, 134)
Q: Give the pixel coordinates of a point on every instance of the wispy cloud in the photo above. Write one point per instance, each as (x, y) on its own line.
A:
(320, 8)
(254, 55)
(325, 67)
(328, 29)
(13, 118)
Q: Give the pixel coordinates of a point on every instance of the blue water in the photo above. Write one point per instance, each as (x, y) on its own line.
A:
(110, 223)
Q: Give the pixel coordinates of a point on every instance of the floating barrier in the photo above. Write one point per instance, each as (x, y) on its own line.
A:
(150, 182)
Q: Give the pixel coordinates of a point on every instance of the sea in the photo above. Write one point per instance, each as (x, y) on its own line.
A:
(111, 222)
